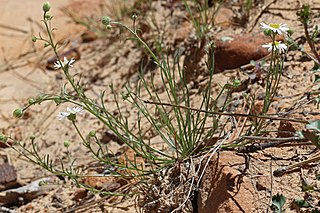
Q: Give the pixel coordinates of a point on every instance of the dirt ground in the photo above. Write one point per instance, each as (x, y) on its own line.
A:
(238, 180)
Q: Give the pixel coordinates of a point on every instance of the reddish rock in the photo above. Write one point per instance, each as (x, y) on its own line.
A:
(88, 36)
(225, 189)
(8, 176)
(99, 182)
(239, 51)
(286, 129)
(79, 194)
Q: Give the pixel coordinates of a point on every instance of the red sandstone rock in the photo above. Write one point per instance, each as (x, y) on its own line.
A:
(240, 51)
(224, 189)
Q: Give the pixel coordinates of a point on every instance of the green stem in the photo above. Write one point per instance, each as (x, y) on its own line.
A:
(155, 58)
(79, 132)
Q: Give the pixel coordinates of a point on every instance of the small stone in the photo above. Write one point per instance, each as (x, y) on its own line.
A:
(79, 194)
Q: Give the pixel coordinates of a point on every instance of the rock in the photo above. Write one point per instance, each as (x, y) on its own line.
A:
(285, 129)
(225, 189)
(263, 183)
(26, 193)
(88, 36)
(79, 194)
(107, 183)
(240, 50)
(8, 176)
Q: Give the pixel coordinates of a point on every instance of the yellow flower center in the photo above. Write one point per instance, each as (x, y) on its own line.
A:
(276, 26)
(276, 43)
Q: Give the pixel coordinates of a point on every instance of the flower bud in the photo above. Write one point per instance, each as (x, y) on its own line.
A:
(106, 20)
(18, 113)
(267, 32)
(3, 138)
(66, 144)
(31, 101)
(34, 39)
(46, 45)
(57, 100)
(46, 7)
(92, 133)
(48, 16)
(236, 83)
(109, 26)
(32, 137)
(290, 32)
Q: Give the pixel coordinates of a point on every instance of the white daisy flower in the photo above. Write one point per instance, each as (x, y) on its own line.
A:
(74, 110)
(278, 46)
(57, 65)
(276, 28)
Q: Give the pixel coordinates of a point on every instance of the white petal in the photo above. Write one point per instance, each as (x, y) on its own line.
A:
(72, 60)
(282, 48)
(77, 109)
(65, 60)
(63, 115)
(57, 64)
(284, 26)
(69, 110)
(264, 26)
(269, 46)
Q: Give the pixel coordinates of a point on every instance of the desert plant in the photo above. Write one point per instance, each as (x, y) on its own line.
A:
(183, 129)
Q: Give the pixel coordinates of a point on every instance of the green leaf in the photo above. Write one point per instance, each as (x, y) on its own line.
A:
(307, 187)
(317, 79)
(316, 68)
(278, 202)
(300, 134)
(314, 125)
(313, 137)
(302, 203)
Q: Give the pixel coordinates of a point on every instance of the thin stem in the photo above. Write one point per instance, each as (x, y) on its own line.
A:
(310, 42)
(229, 114)
(141, 41)
(79, 132)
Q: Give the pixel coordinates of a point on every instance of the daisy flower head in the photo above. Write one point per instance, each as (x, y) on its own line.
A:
(57, 65)
(275, 28)
(70, 113)
(277, 46)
